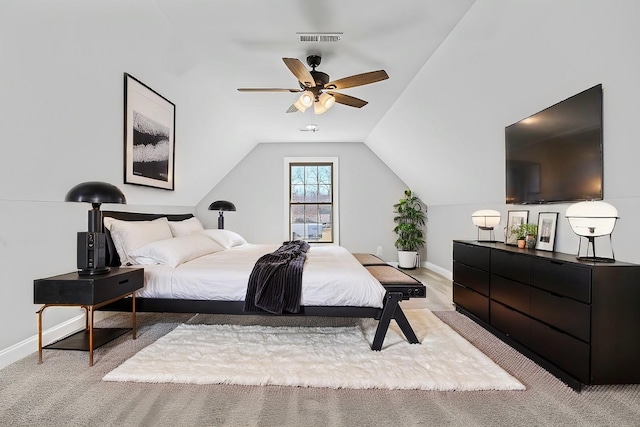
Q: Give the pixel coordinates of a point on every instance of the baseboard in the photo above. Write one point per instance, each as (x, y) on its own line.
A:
(30, 345)
(436, 269)
(441, 271)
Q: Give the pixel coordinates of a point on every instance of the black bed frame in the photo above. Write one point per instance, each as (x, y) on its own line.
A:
(390, 310)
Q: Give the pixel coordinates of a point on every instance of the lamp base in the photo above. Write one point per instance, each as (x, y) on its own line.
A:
(595, 259)
(492, 236)
(591, 242)
(93, 271)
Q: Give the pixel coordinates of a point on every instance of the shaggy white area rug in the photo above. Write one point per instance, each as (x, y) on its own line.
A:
(334, 357)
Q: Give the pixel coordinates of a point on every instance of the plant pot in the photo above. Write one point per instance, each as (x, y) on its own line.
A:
(407, 259)
(522, 243)
(531, 241)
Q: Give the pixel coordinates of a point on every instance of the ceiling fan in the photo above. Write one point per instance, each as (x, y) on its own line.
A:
(317, 89)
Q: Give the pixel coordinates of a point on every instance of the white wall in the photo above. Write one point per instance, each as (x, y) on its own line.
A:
(368, 190)
(503, 62)
(61, 122)
(63, 94)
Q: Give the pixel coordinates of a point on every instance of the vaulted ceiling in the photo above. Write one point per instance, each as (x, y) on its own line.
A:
(242, 43)
(70, 55)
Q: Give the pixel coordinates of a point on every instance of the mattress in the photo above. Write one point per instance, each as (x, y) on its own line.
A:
(331, 277)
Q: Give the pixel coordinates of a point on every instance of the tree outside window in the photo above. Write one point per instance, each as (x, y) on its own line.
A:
(311, 202)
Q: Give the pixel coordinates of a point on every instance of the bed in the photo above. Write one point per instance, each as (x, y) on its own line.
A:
(192, 270)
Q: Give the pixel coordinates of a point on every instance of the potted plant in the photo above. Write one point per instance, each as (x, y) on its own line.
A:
(409, 228)
(526, 235)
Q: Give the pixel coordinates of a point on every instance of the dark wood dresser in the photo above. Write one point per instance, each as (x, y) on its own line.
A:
(579, 320)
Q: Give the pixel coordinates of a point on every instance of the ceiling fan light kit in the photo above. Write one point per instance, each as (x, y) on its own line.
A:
(313, 84)
(318, 108)
(326, 100)
(305, 101)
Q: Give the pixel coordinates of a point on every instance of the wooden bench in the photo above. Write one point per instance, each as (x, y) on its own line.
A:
(400, 286)
(392, 278)
(369, 259)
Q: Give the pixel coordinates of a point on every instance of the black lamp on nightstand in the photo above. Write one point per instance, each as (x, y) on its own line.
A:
(92, 244)
(222, 205)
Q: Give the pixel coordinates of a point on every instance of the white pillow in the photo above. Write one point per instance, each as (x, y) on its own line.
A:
(188, 226)
(226, 238)
(175, 251)
(130, 235)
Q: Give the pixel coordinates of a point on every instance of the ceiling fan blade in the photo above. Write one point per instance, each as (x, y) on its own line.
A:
(267, 89)
(292, 109)
(351, 101)
(300, 71)
(358, 80)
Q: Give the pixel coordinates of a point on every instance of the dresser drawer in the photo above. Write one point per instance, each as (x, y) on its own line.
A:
(510, 265)
(564, 351)
(473, 278)
(510, 322)
(562, 278)
(472, 301)
(473, 256)
(511, 293)
(563, 313)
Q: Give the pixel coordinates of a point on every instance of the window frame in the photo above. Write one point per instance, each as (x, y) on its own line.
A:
(333, 161)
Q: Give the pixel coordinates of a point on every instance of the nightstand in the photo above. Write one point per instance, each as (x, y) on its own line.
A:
(90, 293)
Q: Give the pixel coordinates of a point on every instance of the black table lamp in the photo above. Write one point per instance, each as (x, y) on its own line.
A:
(222, 205)
(92, 244)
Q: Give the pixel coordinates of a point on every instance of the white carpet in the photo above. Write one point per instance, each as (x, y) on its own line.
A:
(334, 357)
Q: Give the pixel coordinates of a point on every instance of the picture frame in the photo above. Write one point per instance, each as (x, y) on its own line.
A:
(149, 136)
(547, 225)
(514, 218)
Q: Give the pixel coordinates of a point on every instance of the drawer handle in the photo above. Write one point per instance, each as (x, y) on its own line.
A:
(122, 282)
(555, 295)
(553, 328)
(560, 331)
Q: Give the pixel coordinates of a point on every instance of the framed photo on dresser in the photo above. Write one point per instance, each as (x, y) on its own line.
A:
(514, 219)
(547, 224)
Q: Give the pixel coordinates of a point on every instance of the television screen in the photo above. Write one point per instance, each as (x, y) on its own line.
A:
(556, 155)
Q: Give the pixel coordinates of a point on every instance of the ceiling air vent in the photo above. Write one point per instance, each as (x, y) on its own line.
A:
(320, 37)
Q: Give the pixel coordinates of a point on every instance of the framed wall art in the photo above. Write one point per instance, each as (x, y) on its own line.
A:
(514, 219)
(547, 223)
(149, 136)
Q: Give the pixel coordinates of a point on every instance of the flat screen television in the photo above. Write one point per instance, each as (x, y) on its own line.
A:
(555, 155)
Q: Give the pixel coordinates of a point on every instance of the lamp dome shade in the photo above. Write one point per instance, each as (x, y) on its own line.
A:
(486, 218)
(95, 192)
(222, 205)
(592, 218)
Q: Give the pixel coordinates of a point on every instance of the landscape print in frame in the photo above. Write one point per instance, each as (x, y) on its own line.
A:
(149, 136)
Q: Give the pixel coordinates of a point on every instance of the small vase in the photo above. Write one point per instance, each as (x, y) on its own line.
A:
(521, 243)
(531, 241)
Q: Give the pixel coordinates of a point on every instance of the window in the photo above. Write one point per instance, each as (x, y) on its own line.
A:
(311, 195)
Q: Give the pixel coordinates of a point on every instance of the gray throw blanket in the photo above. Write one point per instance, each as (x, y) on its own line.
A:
(275, 284)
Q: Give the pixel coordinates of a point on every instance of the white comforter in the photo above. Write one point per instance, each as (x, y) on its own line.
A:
(331, 277)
